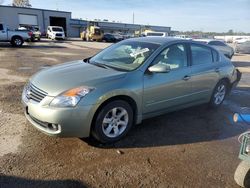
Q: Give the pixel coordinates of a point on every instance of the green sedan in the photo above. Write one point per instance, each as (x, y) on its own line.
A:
(105, 95)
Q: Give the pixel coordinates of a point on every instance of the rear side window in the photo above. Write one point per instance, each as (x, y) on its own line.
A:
(1, 27)
(201, 55)
(215, 56)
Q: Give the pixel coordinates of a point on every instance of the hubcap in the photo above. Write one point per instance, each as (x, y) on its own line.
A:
(115, 122)
(18, 42)
(220, 94)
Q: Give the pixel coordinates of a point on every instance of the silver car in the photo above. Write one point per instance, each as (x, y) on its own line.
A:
(128, 82)
(243, 48)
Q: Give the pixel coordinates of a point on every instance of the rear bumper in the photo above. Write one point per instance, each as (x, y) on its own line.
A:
(238, 78)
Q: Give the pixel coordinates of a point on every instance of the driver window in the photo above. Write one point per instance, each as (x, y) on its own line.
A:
(174, 56)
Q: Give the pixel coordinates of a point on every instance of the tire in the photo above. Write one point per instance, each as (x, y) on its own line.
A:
(242, 174)
(108, 127)
(17, 41)
(219, 94)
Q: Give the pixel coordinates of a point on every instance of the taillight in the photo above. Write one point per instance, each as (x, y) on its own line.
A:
(30, 33)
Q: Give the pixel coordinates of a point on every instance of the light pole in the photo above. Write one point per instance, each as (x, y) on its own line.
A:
(133, 18)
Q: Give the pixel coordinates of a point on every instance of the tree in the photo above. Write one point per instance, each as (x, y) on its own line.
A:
(21, 3)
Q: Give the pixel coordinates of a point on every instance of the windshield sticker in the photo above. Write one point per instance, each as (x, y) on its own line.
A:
(138, 52)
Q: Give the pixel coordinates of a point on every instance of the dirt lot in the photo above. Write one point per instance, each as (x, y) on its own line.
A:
(196, 147)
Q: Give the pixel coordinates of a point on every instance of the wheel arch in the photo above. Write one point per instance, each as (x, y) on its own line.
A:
(17, 36)
(227, 81)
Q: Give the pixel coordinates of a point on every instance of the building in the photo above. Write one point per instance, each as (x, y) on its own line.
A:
(15, 17)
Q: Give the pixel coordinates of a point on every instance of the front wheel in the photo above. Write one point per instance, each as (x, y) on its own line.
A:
(219, 94)
(242, 174)
(113, 122)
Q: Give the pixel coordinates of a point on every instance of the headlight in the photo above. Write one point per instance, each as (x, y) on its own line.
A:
(71, 97)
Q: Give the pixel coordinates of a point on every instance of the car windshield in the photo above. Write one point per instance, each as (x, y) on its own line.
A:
(57, 29)
(125, 56)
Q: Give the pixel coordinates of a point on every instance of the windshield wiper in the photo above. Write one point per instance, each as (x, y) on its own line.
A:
(100, 65)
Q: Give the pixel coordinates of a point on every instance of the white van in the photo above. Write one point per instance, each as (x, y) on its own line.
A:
(55, 32)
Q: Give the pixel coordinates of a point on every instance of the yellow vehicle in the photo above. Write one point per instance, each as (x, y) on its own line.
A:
(92, 33)
(142, 32)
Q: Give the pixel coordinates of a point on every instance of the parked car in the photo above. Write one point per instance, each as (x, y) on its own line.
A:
(16, 38)
(241, 40)
(108, 37)
(128, 82)
(243, 48)
(220, 45)
(35, 30)
(55, 33)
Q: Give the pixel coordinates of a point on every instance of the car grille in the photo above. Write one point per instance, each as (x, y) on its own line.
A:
(35, 94)
(58, 35)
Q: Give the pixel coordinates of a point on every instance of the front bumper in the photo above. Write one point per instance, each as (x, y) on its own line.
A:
(62, 122)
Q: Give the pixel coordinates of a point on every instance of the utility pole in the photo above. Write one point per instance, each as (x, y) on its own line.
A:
(133, 18)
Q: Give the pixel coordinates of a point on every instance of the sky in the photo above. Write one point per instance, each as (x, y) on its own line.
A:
(181, 15)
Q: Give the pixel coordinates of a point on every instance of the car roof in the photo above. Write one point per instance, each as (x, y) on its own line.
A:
(157, 40)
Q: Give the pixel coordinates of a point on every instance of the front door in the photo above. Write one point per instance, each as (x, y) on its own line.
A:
(3, 33)
(164, 90)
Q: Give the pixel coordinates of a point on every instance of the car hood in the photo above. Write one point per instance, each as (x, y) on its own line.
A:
(60, 78)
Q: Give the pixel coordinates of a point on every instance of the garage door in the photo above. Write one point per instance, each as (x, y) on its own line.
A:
(25, 19)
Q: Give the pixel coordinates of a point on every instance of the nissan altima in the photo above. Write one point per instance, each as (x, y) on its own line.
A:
(105, 95)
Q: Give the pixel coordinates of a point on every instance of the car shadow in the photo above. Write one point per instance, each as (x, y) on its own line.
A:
(31, 46)
(191, 125)
(13, 182)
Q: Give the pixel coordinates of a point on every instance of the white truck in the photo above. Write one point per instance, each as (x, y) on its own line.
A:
(16, 38)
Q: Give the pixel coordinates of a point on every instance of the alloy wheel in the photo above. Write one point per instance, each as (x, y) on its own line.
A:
(115, 122)
(220, 94)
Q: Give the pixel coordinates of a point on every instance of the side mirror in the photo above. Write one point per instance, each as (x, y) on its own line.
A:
(86, 60)
(159, 68)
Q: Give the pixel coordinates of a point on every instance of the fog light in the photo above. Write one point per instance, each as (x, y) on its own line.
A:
(53, 127)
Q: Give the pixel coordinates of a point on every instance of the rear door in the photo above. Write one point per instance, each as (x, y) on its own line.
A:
(3, 33)
(205, 71)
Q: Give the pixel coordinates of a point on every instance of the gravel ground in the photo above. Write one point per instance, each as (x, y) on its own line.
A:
(195, 147)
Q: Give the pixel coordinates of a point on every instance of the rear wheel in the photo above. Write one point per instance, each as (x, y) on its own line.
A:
(219, 94)
(113, 122)
(17, 41)
(242, 174)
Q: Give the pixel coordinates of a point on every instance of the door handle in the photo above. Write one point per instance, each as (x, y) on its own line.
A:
(186, 78)
(217, 70)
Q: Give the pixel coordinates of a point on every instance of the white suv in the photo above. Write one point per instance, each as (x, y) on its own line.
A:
(55, 32)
